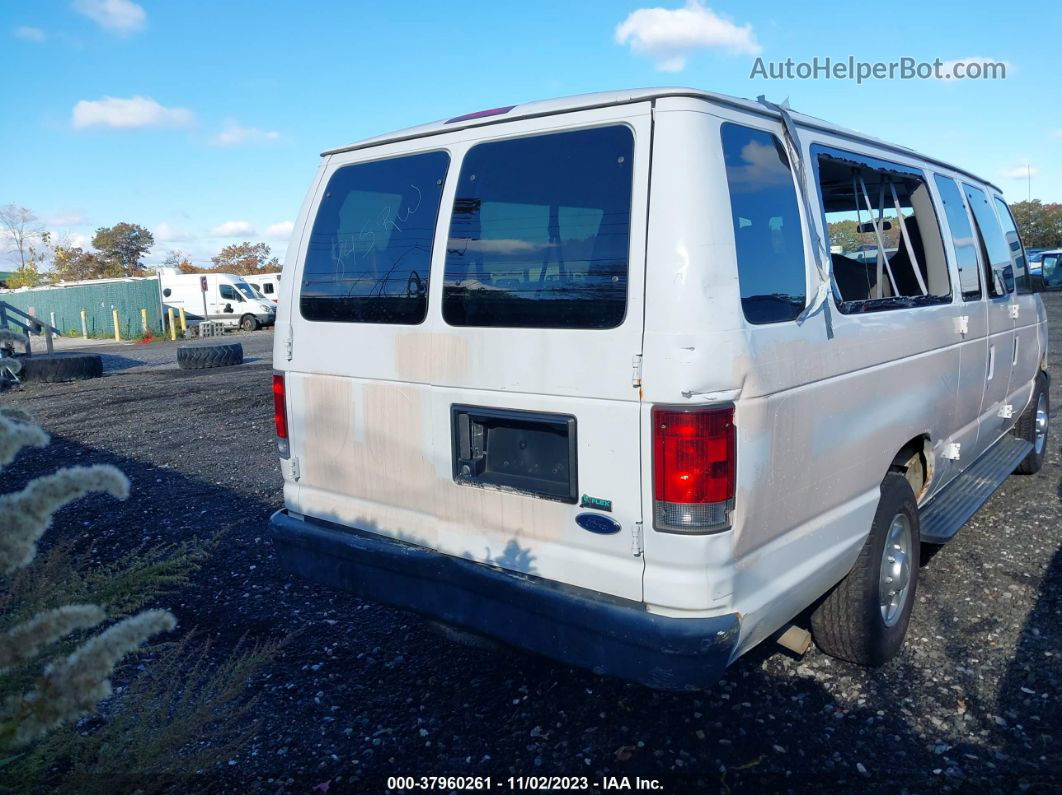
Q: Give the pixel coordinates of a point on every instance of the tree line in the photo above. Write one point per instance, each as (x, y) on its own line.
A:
(119, 250)
(40, 259)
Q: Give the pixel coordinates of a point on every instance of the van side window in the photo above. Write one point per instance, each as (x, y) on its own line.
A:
(1017, 250)
(962, 237)
(228, 293)
(1051, 266)
(767, 233)
(369, 253)
(540, 232)
(993, 245)
(885, 239)
(267, 288)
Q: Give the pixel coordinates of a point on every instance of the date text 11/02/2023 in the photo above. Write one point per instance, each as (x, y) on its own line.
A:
(523, 783)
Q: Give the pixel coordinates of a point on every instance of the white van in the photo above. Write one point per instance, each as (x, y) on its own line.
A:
(266, 283)
(584, 376)
(217, 296)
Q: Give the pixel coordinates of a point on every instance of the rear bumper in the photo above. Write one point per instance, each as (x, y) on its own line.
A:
(607, 635)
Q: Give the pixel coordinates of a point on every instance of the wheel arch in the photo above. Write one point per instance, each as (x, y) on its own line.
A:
(914, 460)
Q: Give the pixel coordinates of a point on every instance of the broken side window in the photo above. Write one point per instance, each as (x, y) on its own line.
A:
(885, 241)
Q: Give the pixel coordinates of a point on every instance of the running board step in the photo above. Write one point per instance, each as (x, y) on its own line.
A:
(947, 512)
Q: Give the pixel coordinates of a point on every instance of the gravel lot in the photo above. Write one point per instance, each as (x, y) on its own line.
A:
(364, 692)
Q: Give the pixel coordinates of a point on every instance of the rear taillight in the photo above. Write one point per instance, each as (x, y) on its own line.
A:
(280, 415)
(694, 452)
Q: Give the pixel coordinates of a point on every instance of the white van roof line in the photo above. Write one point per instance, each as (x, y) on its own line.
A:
(607, 98)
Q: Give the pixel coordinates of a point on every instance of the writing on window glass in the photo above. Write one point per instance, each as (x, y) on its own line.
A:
(370, 248)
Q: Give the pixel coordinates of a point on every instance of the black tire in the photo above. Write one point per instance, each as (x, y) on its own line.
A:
(54, 367)
(249, 323)
(1026, 428)
(201, 357)
(849, 622)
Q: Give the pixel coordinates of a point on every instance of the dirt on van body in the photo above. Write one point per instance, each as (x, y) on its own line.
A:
(364, 692)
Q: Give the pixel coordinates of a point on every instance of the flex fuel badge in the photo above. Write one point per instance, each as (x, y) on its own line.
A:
(595, 502)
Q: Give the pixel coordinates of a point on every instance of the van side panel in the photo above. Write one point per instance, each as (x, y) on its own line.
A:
(819, 420)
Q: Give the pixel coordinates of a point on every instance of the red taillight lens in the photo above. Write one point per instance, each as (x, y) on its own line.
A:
(693, 468)
(280, 410)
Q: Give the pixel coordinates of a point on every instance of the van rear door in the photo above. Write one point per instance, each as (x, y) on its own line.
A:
(466, 316)
(536, 403)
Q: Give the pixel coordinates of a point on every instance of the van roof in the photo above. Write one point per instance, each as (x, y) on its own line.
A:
(607, 98)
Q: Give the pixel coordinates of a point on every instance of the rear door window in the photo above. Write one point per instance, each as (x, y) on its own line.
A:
(369, 252)
(994, 246)
(962, 237)
(767, 233)
(540, 232)
(1017, 251)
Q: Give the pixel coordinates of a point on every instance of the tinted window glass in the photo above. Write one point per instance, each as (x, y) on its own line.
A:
(1052, 270)
(540, 232)
(962, 237)
(1017, 252)
(369, 252)
(767, 233)
(228, 293)
(992, 240)
(267, 288)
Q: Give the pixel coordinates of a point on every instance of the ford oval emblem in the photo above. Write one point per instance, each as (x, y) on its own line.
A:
(598, 523)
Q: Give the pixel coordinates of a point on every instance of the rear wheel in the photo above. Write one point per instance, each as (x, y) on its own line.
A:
(1032, 427)
(864, 618)
(249, 323)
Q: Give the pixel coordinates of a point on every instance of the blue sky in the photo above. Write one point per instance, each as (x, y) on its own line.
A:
(218, 110)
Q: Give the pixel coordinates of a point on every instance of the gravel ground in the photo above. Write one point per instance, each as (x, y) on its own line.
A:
(364, 692)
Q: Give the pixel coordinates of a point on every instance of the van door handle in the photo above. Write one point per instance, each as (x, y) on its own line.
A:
(991, 362)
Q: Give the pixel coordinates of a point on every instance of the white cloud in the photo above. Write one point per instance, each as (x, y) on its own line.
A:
(128, 113)
(1019, 172)
(122, 17)
(670, 36)
(281, 230)
(976, 64)
(234, 135)
(27, 33)
(76, 241)
(166, 233)
(233, 229)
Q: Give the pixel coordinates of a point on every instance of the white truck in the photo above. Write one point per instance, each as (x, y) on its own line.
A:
(216, 296)
(605, 378)
(266, 283)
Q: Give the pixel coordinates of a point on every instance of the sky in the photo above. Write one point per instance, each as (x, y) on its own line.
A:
(204, 120)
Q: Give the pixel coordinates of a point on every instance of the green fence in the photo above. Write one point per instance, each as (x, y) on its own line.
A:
(98, 301)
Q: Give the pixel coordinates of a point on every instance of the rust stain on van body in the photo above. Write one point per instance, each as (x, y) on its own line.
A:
(430, 357)
(372, 443)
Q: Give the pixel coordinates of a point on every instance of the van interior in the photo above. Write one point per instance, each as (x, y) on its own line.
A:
(885, 240)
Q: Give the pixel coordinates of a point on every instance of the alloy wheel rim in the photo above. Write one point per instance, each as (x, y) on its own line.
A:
(894, 581)
(1041, 424)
